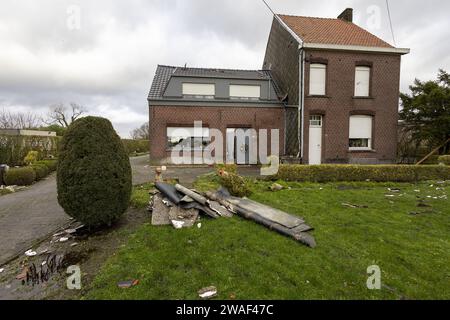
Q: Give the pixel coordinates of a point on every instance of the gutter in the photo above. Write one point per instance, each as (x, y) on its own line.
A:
(322, 46)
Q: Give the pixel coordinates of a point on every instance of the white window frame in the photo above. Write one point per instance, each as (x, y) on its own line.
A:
(361, 130)
(362, 81)
(317, 79)
(245, 91)
(200, 90)
(315, 121)
(188, 132)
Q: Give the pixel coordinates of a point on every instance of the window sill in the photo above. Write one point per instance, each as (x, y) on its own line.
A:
(362, 151)
(318, 96)
(363, 98)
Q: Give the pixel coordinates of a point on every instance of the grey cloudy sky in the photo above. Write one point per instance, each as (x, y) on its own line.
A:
(108, 63)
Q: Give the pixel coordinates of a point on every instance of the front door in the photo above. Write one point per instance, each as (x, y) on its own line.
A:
(238, 150)
(315, 140)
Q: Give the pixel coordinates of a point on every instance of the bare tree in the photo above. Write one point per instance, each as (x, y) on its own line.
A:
(19, 120)
(64, 115)
(141, 133)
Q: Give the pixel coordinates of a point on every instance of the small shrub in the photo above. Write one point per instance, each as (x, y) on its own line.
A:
(94, 172)
(237, 186)
(20, 176)
(231, 168)
(381, 173)
(41, 170)
(31, 157)
(50, 164)
(444, 160)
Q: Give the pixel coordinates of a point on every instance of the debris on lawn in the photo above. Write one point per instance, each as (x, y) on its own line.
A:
(394, 190)
(208, 292)
(355, 206)
(276, 187)
(63, 239)
(180, 207)
(2, 269)
(127, 284)
(30, 253)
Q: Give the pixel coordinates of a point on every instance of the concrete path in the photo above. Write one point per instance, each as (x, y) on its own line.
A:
(30, 215)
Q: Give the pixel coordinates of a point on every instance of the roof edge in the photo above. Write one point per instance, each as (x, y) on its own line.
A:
(288, 29)
(393, 50)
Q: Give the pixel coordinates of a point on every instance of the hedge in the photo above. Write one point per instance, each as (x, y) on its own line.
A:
(20, 176)
(444, 160)
(50, 164)
(136, 146)
(41, 171)
(13, 149)
(377, 173)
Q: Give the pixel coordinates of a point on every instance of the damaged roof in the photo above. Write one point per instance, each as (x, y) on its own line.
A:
(331, 31)
(164, 73)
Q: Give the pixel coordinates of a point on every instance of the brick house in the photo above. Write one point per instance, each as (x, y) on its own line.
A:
(329, 86)
(343, 82)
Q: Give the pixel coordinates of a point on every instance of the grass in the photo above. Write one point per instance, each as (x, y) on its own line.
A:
(247, 261)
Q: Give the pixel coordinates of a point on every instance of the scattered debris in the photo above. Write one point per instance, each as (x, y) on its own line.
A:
(30, 253)
(63, 239)
(389, 195)
(177, 224)
(208, 292)
(2, 269)
(74, 244)
(186, 205)
(160, 212)
(127, 284)
(276, 187)
(23, 274)
(354, 206)
(394, 190)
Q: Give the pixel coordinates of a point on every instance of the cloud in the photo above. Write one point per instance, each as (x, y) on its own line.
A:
(108, 63)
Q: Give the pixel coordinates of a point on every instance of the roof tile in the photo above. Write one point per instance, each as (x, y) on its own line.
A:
(331, 31)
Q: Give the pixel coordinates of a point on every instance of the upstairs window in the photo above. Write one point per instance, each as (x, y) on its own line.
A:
(362, 81)
(199, 90)
(245, 92)
(360, 133)
(317, 79)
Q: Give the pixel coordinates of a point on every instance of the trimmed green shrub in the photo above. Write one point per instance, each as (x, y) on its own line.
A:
(94, 172)
(50, 164)
(237, 186)
(444, 160)
(231, 168)
(381, 173)
(20, 176)
(41, 171)
(136, 146)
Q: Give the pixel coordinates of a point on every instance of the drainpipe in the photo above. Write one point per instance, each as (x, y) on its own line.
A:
(301, 100)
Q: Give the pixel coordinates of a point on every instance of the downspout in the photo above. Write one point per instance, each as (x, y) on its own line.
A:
(301, 100)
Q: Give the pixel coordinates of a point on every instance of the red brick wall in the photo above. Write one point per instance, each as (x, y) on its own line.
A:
(340, 104)
(220, 118)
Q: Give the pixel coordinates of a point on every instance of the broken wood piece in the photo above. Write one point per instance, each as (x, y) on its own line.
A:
(208, 292)
(160, 213)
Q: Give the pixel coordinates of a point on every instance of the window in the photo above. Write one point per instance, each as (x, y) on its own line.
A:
(188, 137)
(245, 92)
(360, 133)
(362, 81)
(199, 90)
(315, 121)
(317, 79)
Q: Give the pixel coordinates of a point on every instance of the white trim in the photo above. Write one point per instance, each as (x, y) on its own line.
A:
(292, 33)
(355, 48)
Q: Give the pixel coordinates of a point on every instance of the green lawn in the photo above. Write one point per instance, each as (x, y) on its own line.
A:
(247, 261)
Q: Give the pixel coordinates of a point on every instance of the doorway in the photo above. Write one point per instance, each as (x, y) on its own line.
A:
(315, 140)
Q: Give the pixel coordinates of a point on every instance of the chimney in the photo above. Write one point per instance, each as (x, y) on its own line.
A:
(347, 15)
